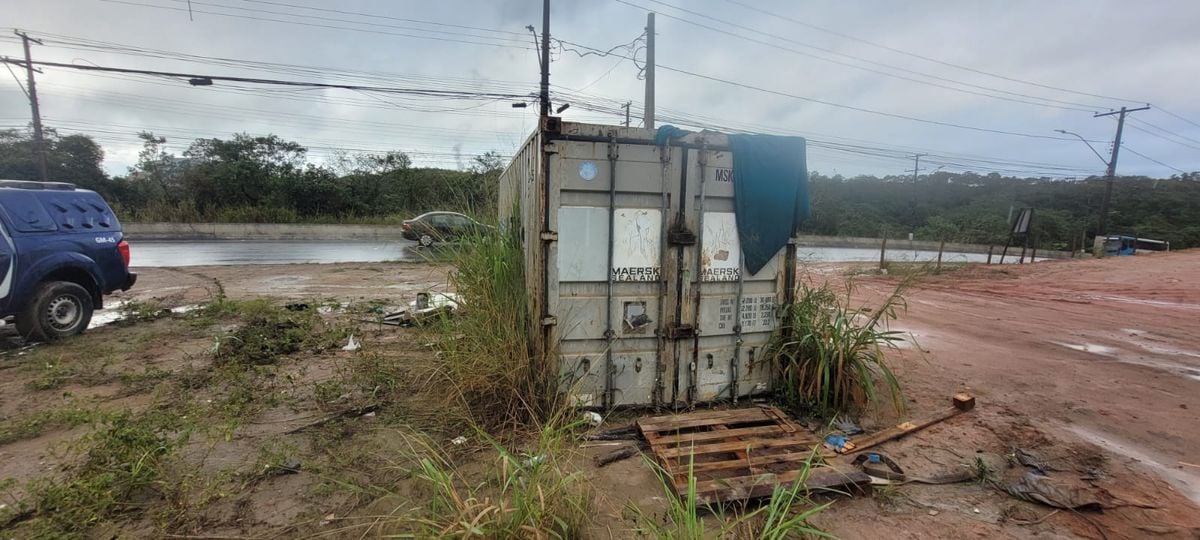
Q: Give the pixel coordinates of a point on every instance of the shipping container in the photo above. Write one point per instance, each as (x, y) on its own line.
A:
(633, 266)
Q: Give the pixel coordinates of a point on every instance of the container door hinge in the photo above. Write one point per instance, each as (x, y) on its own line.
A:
(549, 321)
(549, 236)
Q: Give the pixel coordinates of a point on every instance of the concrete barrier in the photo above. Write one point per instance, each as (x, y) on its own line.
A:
(258, 231)
(902, 244)
(301, 231)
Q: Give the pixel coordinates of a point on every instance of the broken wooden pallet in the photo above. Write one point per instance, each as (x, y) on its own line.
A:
(738, 454)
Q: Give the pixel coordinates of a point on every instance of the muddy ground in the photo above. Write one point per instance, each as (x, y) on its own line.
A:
(1092, 366)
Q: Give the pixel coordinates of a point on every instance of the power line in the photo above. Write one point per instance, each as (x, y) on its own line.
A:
(1176, 116)
(205, 80)
(834, 104)
(1148, 158)
(1066, 105)
(926, 58)
(380, 16)
(315, 25)
(1165, 131)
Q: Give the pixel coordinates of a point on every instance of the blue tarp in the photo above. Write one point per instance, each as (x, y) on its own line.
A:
(770, 187)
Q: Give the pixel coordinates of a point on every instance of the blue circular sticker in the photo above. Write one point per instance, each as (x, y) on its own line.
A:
(587, 170)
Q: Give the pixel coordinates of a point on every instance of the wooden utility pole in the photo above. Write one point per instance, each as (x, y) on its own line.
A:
(544, 95)
(627, 105)
(39, 140)
(1112, 165)
(648, 116)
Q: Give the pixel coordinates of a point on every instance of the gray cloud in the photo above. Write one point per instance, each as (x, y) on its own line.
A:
(1144, 54)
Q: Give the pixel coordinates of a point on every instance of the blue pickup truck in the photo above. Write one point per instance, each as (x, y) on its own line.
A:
(61, 251)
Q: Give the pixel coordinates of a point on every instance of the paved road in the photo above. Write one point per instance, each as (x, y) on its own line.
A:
(222, 252)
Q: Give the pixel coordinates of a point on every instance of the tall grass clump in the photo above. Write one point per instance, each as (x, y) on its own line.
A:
(484, 358)
(831, 356)
(523, 495)
(785, 514)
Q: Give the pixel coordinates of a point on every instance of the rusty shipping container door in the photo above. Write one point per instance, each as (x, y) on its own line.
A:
(643, 279)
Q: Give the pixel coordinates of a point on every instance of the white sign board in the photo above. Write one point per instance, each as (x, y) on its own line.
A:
(721, 251)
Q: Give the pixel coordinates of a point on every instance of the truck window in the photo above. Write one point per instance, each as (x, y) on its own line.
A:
(26, 212)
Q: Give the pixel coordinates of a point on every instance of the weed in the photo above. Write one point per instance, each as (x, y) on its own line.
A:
(483, 356)
(776, 518)
(983, 473)
(120, 472)
(831, 355)
(269, 331)
(37, 423)
(133, 311)
(531, 495)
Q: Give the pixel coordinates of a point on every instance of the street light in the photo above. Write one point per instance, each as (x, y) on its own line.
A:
(1089, 145)
(1109, 166)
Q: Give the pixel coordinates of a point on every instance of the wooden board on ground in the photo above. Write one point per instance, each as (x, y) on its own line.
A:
(739, 454)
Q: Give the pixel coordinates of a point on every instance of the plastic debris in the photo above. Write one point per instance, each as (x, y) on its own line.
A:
(592, 418)
(1036, 488)
(352, 345)
(458, 440)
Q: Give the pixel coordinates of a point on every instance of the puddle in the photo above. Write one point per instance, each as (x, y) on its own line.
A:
(1114, 353)
(112, 314)
(1143, 302)
(1186, 483)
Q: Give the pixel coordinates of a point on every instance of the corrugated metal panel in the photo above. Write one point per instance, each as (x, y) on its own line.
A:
(652, 307)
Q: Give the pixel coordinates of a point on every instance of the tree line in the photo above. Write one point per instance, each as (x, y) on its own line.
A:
(267, 179)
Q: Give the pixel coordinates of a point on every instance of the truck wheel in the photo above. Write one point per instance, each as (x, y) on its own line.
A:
(59, 309)
(426, 240)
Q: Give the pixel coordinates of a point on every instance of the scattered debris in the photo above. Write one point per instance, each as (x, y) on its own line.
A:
(459, 440)
(353, 411)
(963, 402)
(615, 434)
(619, 454)
(1029, 460)
(1042, 489)
(353, 344)
(847, 426)
(592, 418)
(427, 306)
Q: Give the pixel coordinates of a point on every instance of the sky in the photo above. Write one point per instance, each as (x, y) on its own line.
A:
(975, 86)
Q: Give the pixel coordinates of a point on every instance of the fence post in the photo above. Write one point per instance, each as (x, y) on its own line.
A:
(941, 247)
(883, 251)
(990, 248)
(1033, 254)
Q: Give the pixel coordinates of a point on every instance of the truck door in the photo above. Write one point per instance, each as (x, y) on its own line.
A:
(8, 259)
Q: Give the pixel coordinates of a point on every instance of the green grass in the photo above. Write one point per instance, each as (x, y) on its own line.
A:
(785, 514)
(483, 362)
(37, 423)
(121, 472)
(832, 356)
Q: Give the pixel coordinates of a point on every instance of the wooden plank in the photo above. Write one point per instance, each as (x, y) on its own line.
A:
(686, 421)
(898, 431)
(763, 485)
(753, 461)
(733, 446)
(719, 432)
(712, 413)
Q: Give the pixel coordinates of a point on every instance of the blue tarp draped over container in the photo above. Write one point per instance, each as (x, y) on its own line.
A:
(770, 187)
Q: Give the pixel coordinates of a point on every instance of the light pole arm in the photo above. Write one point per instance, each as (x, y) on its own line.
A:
(1089, 145)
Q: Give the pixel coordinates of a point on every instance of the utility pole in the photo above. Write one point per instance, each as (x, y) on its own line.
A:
(916, 165)
(648, 118)
(544, 96)
(627, 105)
(39, 141)
(1112, 164)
